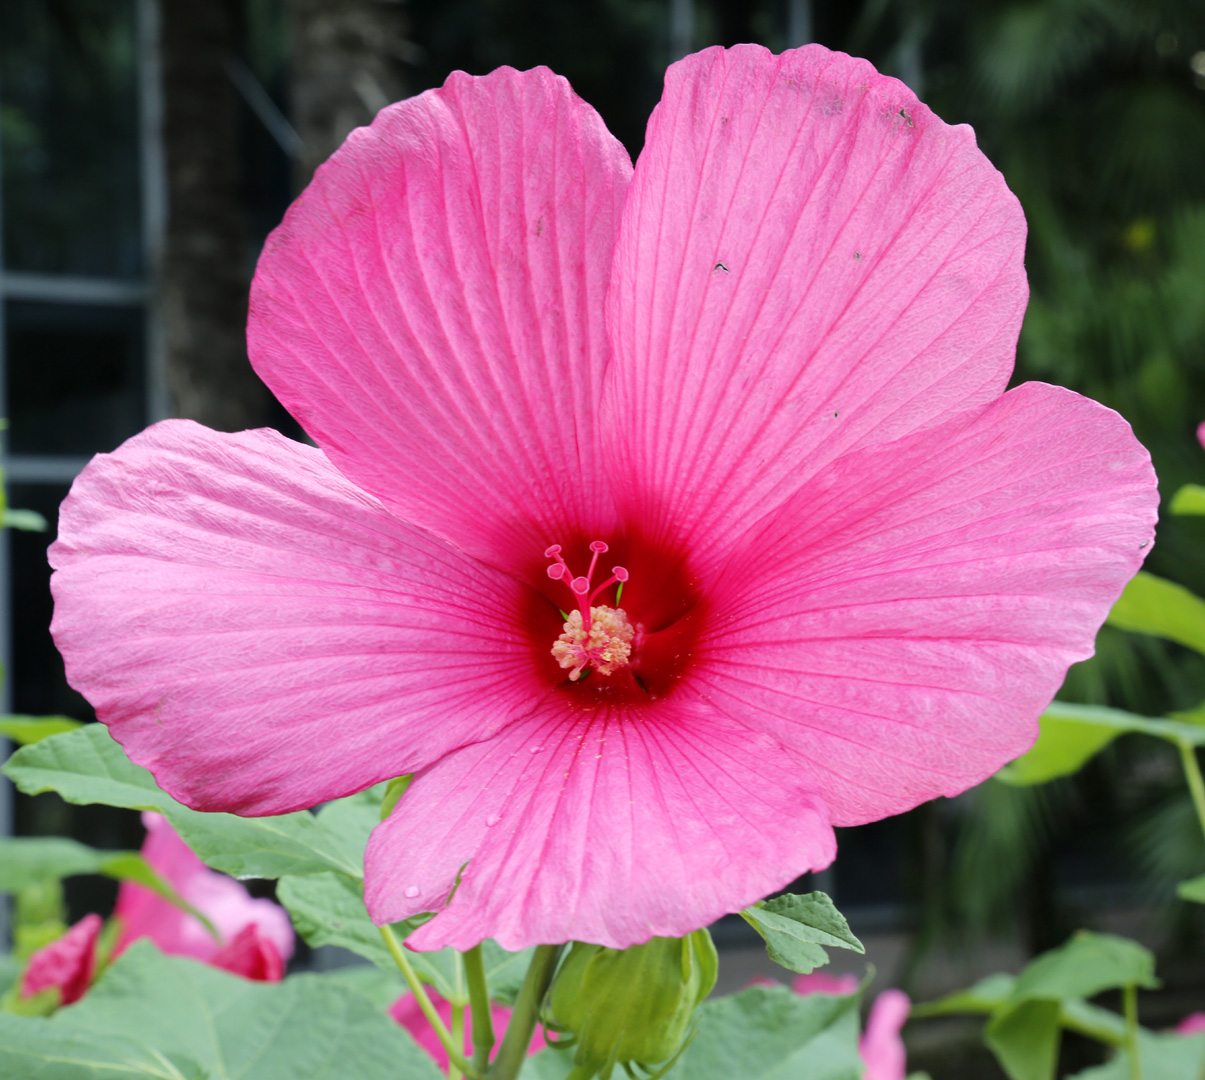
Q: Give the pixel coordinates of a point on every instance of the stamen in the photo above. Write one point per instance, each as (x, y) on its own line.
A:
(596, 637)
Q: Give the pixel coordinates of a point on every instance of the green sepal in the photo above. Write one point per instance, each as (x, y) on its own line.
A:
(394, 790)
(631, 1007)
(43, 1003)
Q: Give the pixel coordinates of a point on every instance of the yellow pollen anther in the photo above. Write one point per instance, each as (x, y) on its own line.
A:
(605, 648)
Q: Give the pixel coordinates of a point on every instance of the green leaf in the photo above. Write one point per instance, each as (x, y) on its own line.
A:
(1193, 889)
(87, 766)
(1163, 1057)
(504, 971)
(42, 1049)
(1151, 605)
(328, 909)
(1190, 499)
(10, 971)
(32, 860)
(1072, 734)
(797, 928)
(1029, 1012)
(1087, 964)
(350, 821)
(31, 729)
(1025, 1039)
(1103, 1025)
(986, 996)
(25, 520)
(763, 1033)
(380, 987)
(769, 1032)
(305, 1026)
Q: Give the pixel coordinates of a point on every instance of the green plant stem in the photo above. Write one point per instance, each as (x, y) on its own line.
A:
(455, 1056)
(1192, 773)
(523, 1020)
(1130, 998)
(479, 1003)
(457, 1037)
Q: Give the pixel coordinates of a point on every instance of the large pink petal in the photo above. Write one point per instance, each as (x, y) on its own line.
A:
(906, 617)
(609, 826)
(809, 261)
(431, 309)
(261, 634)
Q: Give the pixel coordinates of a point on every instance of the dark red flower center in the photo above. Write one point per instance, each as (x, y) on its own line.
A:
(630, 637)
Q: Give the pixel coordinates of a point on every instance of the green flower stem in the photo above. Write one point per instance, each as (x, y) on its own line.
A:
(1192, 773)
(457, 1037)
(523, 1020)
(455, 1056)
(479, 1002)
(1130, 995)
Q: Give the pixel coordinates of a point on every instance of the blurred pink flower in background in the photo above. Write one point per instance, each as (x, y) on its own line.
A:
(256, 935)
(881, 1046)
(407, 1013)
(767, 368)
(820, 982)
(68, 962)
(1193, 1023)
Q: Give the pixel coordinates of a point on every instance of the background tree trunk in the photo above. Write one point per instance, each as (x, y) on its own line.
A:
(204, 272)
(347, 64)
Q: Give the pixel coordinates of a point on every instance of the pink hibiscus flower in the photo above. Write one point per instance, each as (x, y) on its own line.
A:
(256, 935)
(766, 369)
(68, 962)
(407, 1013)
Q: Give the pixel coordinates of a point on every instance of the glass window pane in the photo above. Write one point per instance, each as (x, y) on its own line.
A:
(76, 377)
(69, 136)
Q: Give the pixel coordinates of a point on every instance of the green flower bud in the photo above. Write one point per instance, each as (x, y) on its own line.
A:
(630, 1006)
